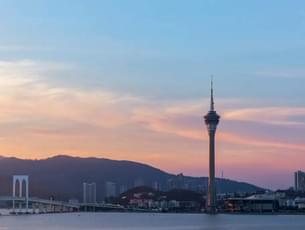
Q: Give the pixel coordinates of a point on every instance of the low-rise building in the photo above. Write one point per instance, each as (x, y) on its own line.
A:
(254, 203)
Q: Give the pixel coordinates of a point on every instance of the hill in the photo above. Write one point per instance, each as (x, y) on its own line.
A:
(62, 177)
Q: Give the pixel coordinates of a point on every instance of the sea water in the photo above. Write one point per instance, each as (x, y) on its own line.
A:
(151, 221)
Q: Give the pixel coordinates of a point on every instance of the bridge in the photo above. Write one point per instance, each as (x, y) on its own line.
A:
(98, 207)
(38, 205)
(22, 203)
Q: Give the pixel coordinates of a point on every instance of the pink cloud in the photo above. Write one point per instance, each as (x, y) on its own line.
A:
(38, 120)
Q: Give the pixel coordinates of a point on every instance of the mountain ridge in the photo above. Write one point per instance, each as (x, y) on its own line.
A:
(61, 176)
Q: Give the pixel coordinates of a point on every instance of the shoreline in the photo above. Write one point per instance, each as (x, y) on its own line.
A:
(8, 213)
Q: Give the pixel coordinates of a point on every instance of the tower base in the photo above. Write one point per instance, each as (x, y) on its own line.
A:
(211, 210)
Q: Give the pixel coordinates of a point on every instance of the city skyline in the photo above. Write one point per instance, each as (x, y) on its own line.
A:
(93, 79)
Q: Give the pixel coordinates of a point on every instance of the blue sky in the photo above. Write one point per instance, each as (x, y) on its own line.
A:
(141, 46)
(157, 54)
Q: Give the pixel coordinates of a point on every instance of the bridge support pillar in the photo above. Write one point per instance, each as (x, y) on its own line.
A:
(21, 179)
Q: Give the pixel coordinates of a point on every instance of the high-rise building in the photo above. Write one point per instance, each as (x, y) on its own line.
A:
(110, 189)
(138, 182)
(177, 182)
(299, 181)
(211, 121)
(123, 188)
(156, 185)
(89, 193)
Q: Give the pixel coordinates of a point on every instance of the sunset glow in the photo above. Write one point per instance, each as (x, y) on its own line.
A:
(142, 96)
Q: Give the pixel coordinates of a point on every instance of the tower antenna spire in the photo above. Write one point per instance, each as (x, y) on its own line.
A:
(212, 95)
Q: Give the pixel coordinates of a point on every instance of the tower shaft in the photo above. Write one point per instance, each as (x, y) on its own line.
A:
(211, 201)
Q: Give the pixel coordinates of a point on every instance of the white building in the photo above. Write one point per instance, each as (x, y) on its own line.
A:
(123, 188)
(300, 202)
(110, 189)
(89, 193)
(299, 181)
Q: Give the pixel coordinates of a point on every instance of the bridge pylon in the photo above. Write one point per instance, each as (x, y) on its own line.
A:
(20, 179)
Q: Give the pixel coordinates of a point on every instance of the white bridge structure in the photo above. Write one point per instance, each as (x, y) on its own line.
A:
(23, 203)
(38, 205)
(20, 180)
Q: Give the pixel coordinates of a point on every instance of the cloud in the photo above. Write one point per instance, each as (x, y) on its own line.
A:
(291, 116)
(27, 97)
(38, 119)
(184, 120)
(29, 104)
(18, 48)
(283, 73)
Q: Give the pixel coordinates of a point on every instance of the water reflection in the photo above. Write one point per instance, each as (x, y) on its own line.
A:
(148, 221)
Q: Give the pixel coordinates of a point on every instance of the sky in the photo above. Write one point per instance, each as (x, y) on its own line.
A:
(129, 80)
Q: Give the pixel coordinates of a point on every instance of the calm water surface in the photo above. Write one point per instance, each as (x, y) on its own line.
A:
(147, 221)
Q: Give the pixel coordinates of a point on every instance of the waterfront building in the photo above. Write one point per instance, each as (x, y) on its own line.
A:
(175, 200)
(89, 193)
(254, 203)
(211, 121)
(300, 202)
(73, 201)
(299, 181)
